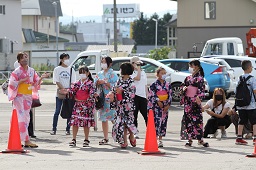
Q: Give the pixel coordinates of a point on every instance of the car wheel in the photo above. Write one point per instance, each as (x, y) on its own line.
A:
(209, 97)
(176, 92)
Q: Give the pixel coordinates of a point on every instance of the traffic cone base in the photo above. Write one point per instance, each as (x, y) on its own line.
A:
(14, 142)
(150, 145)
(253, 155)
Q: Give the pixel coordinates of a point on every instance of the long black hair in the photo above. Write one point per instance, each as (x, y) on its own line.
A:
(83, 69)
(197, 63)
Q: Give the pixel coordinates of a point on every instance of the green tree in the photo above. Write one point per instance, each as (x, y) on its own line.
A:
(160, 53)
(144, 30)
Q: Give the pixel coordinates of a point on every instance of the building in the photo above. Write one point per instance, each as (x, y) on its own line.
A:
(10, 10)
(200, 20)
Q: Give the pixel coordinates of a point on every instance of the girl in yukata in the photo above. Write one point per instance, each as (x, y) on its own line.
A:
(22, 83)
(123, 94)
(83, 111)
(106, 79)
(160, 97)
(193, 93)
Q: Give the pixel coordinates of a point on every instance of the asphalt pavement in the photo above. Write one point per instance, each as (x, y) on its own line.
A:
(54, 153)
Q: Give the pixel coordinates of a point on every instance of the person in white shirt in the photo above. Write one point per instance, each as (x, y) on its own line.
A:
(61, 77)
(218, 109)
(140, 79)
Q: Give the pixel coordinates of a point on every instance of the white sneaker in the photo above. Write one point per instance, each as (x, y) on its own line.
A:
(215, 134)
(160, 144)
(223, 134)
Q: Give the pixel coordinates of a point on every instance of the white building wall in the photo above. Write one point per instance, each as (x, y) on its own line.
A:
(11, 29)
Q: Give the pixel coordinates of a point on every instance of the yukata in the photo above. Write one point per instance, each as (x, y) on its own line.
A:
(21, 95)
(124, 116)
(192, 121)
(160, 116)
(106, 113)
(83, 111)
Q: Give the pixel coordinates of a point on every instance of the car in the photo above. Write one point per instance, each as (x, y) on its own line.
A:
(231, 72)
(216, 75)
(235, 63)
(150, 67)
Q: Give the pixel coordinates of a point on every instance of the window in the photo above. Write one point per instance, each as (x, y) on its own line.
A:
(116, 64)
(230, 47)
(88, 61)
(214, 49)
(233, 62)
(210, 10)
(2, 9)
(149, 67)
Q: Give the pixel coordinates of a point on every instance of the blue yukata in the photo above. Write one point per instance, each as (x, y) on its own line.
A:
(160, 116)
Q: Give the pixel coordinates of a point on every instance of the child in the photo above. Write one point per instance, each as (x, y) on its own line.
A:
(83, 111)
(160, 96)
(123, 94)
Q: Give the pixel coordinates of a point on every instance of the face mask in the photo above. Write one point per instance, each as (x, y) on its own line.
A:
(218, 97)
(104, 66)
(66, 62)
(164, 76)
(191, 70)
(83, 76)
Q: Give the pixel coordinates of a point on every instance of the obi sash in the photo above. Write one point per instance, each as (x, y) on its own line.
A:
(25, 88)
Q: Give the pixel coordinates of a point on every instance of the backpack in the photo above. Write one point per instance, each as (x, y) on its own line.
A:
(243, 93)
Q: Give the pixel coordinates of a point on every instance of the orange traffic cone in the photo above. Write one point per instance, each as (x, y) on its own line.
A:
(14, 143)
(150, 145)
(252, 154)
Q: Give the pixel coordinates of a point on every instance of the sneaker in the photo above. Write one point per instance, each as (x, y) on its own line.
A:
(240, 141)
(248, 135)
(136, 136)
(53, 132)
(67, 132)
(224, 134)
(215, 134)
(160, 144)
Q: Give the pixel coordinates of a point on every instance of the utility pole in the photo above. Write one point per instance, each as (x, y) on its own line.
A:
(57, 30)
(115, 28)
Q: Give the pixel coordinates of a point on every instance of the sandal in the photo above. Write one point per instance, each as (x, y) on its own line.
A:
(86, 143)
(72, 143)
(133, 143)
(205, 144)
(103, 142)
(189, 143)
(31, 145)
(124, 145)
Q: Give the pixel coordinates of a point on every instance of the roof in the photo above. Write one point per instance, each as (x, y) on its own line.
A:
(146, 48)
(48, 9)
(172, 21)
(34, 37)
(120, 48)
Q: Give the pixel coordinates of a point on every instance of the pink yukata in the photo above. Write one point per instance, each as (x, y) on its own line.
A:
(22, 102)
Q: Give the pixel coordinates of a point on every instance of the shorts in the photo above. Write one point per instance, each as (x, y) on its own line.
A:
(245, 115)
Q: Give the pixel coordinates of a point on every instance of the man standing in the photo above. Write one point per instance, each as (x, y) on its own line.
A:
(140, 79)
(247, 112)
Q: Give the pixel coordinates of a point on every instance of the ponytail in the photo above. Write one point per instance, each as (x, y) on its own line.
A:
(90, 76)
(201, 70)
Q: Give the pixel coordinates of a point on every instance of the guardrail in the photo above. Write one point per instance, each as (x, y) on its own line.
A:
(4, 75)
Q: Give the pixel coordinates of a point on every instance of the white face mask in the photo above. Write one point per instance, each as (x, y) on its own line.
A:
(104, 66)
(83, 76)
(66, 62)
(191, 70)
(164, 76)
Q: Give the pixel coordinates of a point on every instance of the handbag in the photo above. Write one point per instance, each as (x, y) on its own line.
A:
(100, 99)
(5, 87)
(67, 103)
(61, 94)
(36, 103)
(67, 107)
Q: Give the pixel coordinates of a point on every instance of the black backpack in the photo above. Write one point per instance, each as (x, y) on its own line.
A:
(243, 93)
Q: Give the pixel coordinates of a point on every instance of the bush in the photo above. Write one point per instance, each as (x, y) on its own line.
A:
(43, 67)
(160, 53)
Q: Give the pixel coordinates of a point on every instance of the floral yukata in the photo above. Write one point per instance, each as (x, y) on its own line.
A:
(22, 101)
(160, 117)
(192, 121)
(83, 111)
(124, 110)
(106, 113)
